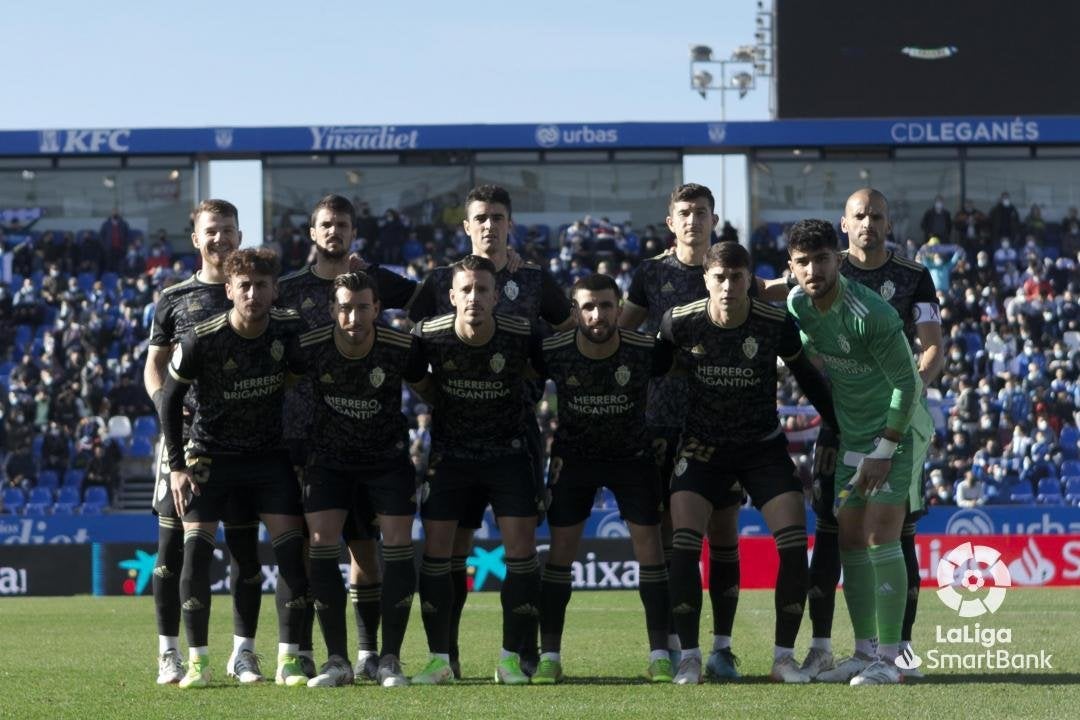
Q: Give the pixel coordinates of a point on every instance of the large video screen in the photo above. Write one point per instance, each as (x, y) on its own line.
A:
(851, 58)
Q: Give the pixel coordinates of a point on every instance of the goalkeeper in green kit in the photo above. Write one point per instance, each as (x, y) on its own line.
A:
(885, 429)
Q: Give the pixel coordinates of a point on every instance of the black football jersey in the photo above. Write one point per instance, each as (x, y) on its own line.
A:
(480, 411)
(601, 403)
(239, 382)
(357, 412)
(731, 372)
(531, 293)
(904, 284)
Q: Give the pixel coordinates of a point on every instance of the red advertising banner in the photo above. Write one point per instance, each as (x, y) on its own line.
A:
(1021, 560)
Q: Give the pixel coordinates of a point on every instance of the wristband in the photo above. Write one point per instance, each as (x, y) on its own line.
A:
(884, 451)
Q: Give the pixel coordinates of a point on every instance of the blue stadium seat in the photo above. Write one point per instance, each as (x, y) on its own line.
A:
(1068, 439)
(64, 508)
(86, 281)
(38, 509)
(108, 279)
(1021, 495)
(141, 447)
(145, 426)
(1070, 467)
(92, 508)
(14, 501)
(23, 334)
(68, 495)
(48, 479)
(73, 479)
(6, 367)
(36, 445)
(1072, 489)
(40, 496)
(765, 271)
(1049, 492)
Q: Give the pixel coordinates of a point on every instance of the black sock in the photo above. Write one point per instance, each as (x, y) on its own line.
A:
(195, 585)
(520, 595)
(399, 584)
(686, 586)
(166, 579)
(459, 580)
(824, 574)
(245, 576)
(436, 597)
(365, 601)
(911, 559)
(668, 551)
(653, 590)
(792, 580)
(555, 590)
(329, 593)
(723, 586)
(292, 584)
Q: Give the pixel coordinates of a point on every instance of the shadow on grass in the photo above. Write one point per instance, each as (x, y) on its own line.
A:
(1006, 678)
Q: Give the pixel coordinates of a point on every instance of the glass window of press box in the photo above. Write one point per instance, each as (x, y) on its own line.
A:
(39, 195)
(551, 189)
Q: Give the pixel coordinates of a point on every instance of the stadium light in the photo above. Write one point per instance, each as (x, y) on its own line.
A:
(700, 53)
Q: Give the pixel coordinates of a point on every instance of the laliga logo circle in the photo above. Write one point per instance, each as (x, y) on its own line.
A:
(967, 566)
(547, 135)
(970, 522)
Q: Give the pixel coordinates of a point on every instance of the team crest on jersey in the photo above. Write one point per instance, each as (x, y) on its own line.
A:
(697, 351)
(622, 375)
(511, 290)
(194, 306)
(572, 381)
(376, 377)
(667, 288)
(498, 362)
(680, 467)
(888, 289)
(749, 347)
(842, 341)
(327, 378)
(277, 350)
(230, 365)
(307, 304)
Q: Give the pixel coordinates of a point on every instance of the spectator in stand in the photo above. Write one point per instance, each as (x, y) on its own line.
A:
(1034, 223)
(937, 222)
(114, 237)
(970, 224)
(939, 491)
(101, 469)
(728, 233)
(20, 467)
(1004, 220)
(940, 260)
(1070, 232)
(969, 491)
(55, 451)
(391, 238)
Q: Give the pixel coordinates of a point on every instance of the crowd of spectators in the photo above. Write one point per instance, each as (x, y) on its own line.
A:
(75, 318)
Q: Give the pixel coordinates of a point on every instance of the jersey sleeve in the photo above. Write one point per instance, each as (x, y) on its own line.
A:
(163, 327)
(925, 307)
(423, 301)
(395, 291)
(667, 329)
(663, 356)
(554, 305)
(415, 365)
(790, 342)
(296, 359)
(637, 293)
(893, 355)
(184, 364)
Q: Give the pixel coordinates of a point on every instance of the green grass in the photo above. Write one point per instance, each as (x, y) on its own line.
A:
(93, 658)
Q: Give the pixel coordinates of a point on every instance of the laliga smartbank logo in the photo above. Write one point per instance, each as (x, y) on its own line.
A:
(973, 581)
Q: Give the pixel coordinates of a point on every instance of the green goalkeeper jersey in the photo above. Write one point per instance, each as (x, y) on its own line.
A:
(861, 339)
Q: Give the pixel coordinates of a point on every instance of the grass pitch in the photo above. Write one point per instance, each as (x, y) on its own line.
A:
(88, 657)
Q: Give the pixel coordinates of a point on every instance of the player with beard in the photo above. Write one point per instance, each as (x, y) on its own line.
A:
(885, 429)
(602, 374)
(661, 283)
(479, 361)
(308, 291)
(182, 306)
(527, 291)
(359, 452)
(909, 288)
(236, 363)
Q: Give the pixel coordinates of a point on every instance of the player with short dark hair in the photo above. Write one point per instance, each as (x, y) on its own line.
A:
(216, 234)
(602, 374)
(885, 430)
(478, 361)
(909, 288)
(659, 284)
(525, 290)
(233, 465)
(308, 291)
(359, 451)
(732, 437)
